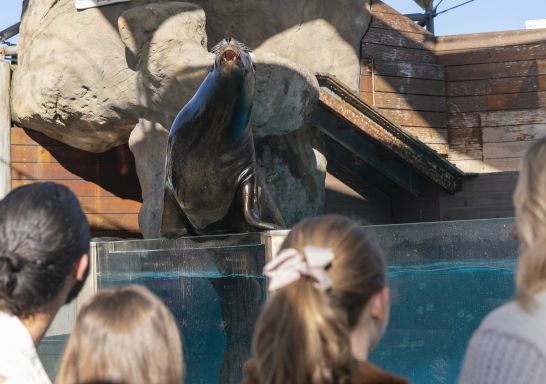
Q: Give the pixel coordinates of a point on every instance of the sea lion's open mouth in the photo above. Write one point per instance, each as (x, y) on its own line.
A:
(229, 55)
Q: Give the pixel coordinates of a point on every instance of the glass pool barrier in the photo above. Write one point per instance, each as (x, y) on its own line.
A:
(444, 278)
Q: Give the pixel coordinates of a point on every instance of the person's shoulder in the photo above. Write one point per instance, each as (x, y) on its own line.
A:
(512, 318)
(512, 322)
(368, 373)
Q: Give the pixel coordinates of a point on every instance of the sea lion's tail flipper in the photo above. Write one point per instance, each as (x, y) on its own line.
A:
(258, 205)
(173, 223)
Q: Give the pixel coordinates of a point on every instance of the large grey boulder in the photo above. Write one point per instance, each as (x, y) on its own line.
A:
(167, 44)
(148, 142)
(294, 171)
(286, 95)
(82, 81)
(72, 81)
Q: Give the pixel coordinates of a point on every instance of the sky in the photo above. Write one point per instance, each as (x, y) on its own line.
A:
(478, 16)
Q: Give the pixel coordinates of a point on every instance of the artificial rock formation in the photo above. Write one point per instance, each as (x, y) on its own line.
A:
(97, 78)
(321, 36)
(72, 81)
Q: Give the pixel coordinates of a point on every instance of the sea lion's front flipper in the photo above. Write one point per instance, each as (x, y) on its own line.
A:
(174, 222)
(250, 200)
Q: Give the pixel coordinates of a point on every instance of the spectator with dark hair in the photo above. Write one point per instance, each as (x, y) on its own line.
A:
(44, 244)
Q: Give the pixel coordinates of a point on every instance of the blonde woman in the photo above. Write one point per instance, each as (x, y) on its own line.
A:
(123, 335)
(510, 344)
(329, 308)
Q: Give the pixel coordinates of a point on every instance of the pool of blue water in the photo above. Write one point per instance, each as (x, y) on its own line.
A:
(435, 308)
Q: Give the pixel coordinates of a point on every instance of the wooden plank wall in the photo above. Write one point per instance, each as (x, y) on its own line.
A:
(106, 184)
(496, 96)
(401, 77)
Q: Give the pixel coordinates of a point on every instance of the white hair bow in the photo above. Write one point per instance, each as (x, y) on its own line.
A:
(289, 266)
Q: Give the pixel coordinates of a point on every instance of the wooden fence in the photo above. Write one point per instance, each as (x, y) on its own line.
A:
(106, 184)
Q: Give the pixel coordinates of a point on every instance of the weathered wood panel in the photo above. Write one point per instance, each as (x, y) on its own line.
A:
(428, 135)
(496, 118)
(21, 137)
(121, 223)
(341, 199)
(486, 196)
(411, 102)
(367, 83)
(511, 101)
(466, 104)
(507, 150)
(411, 70)
(493, 54)
(442, 149)
(503, 165)
(106, 184)
(527, 132)
(395, 38)
(368, 97)
(55, 171)
(496, 70)
(405, 85)
(469, 166)
(496, 86)
(81, 188)
(490, 39)
(416, 119)
(394, 20)
(108, 205)
(465, 151)
(378, 6)
(488, 165)
(54, 154)
(464, 136)
(378, 52)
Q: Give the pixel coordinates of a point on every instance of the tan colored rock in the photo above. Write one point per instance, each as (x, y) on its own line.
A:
(148, 142)
(72, 81)
(169, 44)
(78, 82)
(286, 95)
(322, 36)
(294, 172)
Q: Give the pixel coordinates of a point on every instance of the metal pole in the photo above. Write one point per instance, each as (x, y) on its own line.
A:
(9, 32)
(5, 128)
(8, 50)
(430, 20)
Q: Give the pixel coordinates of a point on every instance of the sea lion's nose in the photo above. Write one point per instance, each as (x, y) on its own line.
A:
(228, 40)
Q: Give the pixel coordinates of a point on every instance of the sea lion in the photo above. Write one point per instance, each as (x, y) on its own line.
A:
(212, 184)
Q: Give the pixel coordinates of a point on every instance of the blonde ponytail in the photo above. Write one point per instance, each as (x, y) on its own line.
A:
(300, 338)
(303, 333)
